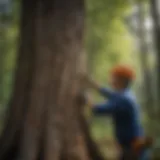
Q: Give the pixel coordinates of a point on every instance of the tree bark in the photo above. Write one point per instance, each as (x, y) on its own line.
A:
(44, 120)
(3, 31)
(147, 80)
(156, 35)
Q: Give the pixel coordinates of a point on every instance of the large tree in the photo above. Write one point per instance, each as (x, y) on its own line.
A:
(45, 117)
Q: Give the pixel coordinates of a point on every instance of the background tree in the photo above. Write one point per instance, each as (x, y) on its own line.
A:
(145, 65)
(156, 33)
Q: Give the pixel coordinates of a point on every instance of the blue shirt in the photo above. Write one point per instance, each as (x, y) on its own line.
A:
(125, 111)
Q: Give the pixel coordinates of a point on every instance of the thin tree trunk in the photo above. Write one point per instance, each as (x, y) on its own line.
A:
(43, 120)
(2, 56)
(147, 79)
(156, 33)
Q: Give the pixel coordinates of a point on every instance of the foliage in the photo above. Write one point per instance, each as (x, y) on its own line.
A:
(9, 46)
(108, 41)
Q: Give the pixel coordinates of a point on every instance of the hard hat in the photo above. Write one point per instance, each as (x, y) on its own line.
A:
(123, 72)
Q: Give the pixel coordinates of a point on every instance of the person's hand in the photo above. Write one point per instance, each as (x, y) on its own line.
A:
(90, 82)
(85, 77)
(89, 100)
(84, 98)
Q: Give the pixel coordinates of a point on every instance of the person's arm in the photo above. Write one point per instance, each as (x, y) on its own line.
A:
(91, 83)
(100, 108)
(106, 92)
(124, 105)
(104, 108)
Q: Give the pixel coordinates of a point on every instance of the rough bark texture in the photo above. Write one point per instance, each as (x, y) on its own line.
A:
(44, 120)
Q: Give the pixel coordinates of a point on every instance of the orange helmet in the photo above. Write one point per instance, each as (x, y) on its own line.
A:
(123, 72)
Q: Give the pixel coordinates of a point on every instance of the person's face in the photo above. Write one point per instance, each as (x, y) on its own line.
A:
(116, 83)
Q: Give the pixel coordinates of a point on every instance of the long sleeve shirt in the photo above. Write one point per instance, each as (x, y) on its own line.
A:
(125, 111)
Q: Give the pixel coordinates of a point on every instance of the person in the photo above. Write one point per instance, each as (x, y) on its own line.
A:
(121, 104)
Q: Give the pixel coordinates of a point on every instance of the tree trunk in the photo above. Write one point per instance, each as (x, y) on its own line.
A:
(2, 56)
(147, 80)
(45, 121)
(156, 33)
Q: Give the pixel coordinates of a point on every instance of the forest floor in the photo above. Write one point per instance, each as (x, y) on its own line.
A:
(109, 148)
(102, 132)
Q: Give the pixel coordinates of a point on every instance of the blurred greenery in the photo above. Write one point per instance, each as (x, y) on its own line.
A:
(109, 41)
